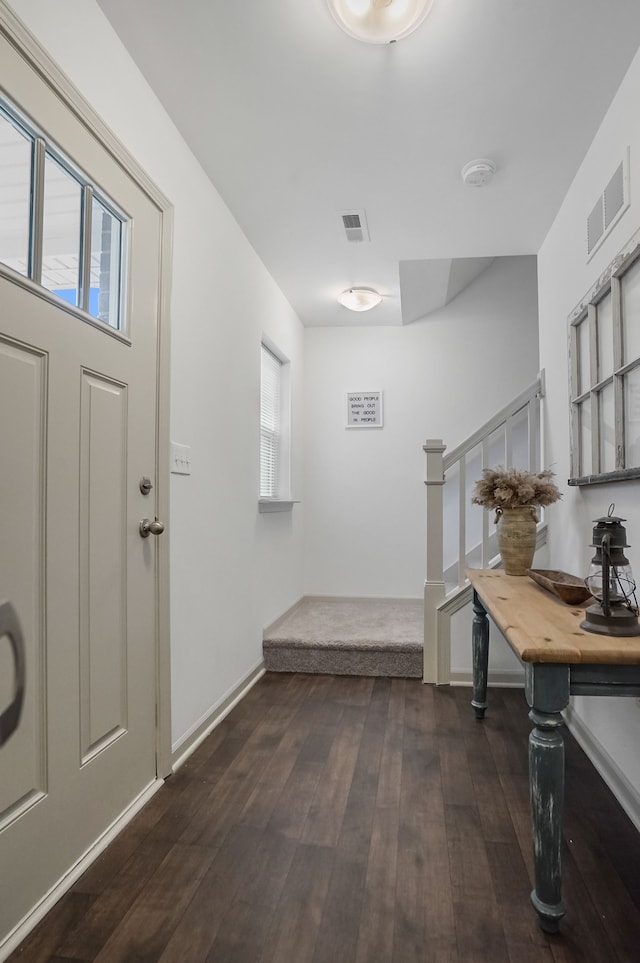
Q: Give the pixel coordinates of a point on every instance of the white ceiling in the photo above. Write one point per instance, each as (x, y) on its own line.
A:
(296, 122)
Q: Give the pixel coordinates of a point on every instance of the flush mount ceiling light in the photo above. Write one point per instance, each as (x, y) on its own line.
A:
(379, 21)
(359, 299)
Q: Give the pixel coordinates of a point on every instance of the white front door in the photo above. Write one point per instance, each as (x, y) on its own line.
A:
(78, 432)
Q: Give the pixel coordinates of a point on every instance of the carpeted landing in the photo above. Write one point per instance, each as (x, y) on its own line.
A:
(336, 636)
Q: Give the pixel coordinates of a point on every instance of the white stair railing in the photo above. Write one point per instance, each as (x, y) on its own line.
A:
(458, 534)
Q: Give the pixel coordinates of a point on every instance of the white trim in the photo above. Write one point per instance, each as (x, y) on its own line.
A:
(163, 495)
(536, 389)
(207, 723)
(266, 505)
(64, 884)
(511, 679)
(362, 598)
(626, 794)
(41, 292)
(455, 603)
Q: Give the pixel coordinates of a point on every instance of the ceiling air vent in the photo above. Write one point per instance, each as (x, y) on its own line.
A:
(609, 207)
(355, 226)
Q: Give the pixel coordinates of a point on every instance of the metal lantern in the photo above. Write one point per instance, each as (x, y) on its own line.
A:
(610, 581)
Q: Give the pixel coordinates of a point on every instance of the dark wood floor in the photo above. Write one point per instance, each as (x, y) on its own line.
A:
(352, 820)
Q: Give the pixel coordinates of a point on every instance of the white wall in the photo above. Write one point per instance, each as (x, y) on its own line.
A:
(233, 570)
(443, 377)
(564, 278)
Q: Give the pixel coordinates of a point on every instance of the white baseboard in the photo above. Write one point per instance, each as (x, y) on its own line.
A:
(361, 598)
(48, 901)
(207, 723)
(626, 794)
(500, 680)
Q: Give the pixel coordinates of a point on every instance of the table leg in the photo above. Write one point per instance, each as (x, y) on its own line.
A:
(480, 647)
(547, 693)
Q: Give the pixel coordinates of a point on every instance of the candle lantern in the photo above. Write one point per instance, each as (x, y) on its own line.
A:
(611, 582)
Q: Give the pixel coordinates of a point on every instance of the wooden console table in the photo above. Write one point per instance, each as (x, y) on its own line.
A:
(560, 659)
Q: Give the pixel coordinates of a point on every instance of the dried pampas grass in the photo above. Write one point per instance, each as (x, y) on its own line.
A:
(510, 487)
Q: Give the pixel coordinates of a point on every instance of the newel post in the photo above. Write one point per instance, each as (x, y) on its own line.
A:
(434, 589)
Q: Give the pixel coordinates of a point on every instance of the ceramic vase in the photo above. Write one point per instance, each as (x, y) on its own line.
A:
(516, 534)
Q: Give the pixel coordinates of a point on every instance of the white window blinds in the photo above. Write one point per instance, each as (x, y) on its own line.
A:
(270, 422)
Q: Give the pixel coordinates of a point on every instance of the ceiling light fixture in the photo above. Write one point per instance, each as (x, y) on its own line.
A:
(379, 21)
(359, 299)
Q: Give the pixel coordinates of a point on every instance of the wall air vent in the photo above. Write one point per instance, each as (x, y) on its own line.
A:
(609, 207)
(595, 226)
(613, 197)
(354, 224)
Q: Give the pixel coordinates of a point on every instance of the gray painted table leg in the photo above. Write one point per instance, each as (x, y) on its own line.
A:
(547, 693)
(480, 647)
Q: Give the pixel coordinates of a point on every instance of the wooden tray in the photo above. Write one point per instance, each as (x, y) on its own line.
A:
(569, 588)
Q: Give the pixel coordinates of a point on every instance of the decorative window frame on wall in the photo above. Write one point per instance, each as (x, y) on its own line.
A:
(604, 375)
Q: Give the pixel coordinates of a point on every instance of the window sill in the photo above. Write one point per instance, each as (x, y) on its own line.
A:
(276, 504)
(624, 474)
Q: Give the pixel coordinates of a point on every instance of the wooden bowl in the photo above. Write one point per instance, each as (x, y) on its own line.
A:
(569, 588)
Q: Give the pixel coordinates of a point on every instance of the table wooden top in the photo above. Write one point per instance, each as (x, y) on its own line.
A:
(541, 627)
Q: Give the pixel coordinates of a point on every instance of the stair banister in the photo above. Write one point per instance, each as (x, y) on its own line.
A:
(438, 464)
(434, 587)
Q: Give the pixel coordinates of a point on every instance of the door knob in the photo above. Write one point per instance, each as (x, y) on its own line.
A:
(148, 527)
(10, 627)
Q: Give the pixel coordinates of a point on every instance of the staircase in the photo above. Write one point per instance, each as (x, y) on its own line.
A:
(339, 636)
(410, 638)
(461, 535)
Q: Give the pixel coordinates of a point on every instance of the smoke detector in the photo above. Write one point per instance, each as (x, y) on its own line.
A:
(479, 172)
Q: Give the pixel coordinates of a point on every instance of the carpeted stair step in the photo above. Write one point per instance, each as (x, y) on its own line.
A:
(374, 637)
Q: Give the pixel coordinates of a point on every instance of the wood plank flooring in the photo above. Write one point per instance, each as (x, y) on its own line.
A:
(353, 820)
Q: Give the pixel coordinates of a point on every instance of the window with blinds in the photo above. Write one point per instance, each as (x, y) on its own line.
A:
(270, 423)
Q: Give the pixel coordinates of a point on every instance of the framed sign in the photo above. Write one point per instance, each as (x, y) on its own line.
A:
(364, 409)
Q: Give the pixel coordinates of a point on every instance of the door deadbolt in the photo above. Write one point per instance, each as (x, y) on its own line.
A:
(145, 485)
(148, 527)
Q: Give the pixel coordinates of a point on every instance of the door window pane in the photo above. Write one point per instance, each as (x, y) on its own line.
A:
(68, 242)
(106, 247)
(15, 196)
(61, 231)
(632, 418)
